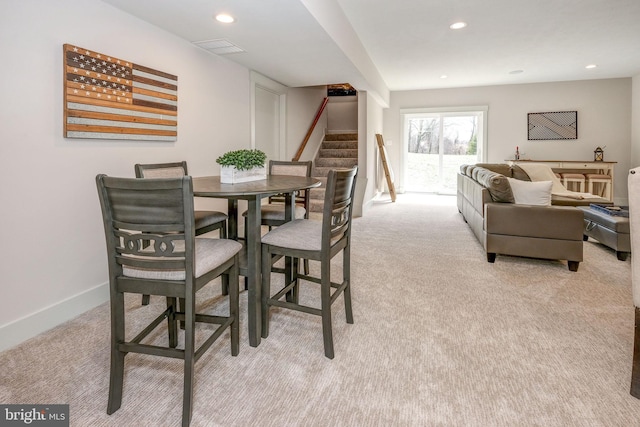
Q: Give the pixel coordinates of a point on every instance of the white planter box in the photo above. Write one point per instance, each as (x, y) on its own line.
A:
(230, 175)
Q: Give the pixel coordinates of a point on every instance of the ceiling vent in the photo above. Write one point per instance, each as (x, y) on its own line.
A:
(219, 46)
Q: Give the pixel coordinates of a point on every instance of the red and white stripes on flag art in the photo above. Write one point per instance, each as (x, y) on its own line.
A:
(110, 98)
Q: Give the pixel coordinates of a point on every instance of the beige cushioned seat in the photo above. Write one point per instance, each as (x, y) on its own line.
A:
(300, 234)
(275, 212)
(210, 253)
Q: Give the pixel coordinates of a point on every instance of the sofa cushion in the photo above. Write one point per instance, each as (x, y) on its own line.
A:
(501, 168)
(467, 169)
(473, 172)
(531, 193)
(497, 185)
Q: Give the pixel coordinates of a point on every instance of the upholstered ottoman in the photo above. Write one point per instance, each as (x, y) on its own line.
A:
(610, 230)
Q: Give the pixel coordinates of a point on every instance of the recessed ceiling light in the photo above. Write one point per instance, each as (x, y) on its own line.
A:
(516, 72)
(444, 76)
(458, 25)
(223, 17)
(591, 66)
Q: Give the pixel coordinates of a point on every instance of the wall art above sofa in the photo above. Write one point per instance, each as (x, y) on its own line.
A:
(553, 125)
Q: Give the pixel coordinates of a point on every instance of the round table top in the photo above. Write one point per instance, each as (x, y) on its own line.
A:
(210, 186)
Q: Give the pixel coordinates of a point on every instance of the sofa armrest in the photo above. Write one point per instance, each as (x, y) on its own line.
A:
(548, 222)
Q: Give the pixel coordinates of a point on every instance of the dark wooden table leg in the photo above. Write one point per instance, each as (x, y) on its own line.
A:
(253, 241)
(232, 222)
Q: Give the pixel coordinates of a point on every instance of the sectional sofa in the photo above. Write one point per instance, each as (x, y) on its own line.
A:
(552, 229)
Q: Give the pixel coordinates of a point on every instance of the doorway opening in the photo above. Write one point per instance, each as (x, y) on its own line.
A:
(436, 143)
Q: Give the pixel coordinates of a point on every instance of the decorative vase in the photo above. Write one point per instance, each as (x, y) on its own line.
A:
(231, 175)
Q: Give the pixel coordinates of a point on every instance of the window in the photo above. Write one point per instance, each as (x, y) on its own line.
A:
(436, 143)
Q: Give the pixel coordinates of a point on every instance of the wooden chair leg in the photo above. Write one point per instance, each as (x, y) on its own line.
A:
(290, 266)
(116, 375)
(172, 323)
(325, 301)
(224, 287)
(266, 289)
(234, 307)
(294, 278)
(346, 276)
(225, 284)
(146, 299)
(189, 359)
(181, 307)
(635, 370)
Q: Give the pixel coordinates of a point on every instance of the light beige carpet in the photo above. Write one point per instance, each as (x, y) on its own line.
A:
(441, 338)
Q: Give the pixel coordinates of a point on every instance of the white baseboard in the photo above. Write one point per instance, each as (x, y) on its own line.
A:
(20, 330)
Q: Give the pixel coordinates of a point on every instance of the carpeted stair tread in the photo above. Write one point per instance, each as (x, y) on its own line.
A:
(336, 162)
(353, 145)
(337, 153)
(341, 137)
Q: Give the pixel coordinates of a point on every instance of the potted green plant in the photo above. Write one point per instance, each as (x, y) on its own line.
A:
(242, 166)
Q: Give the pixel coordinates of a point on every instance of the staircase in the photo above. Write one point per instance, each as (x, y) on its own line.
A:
(338, 151)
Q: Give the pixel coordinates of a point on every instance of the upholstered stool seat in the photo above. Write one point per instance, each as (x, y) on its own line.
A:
(205, 219)
(275, 212)
(596, 178)
(573, 178)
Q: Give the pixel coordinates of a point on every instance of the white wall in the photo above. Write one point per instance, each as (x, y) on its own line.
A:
(342, 113)
(302, 107)
(53, 256)
(604, 119)
(371, 114)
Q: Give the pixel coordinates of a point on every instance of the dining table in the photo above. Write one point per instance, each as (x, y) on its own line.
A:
(250, 261)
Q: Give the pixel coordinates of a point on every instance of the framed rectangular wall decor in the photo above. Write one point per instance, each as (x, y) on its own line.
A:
(553, 125)
(110, 98)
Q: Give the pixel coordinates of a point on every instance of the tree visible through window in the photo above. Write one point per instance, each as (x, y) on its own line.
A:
(437, 144)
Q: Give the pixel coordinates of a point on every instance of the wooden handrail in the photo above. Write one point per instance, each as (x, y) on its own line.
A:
(310, 131)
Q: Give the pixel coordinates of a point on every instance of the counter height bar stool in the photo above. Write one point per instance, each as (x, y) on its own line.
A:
(206, 221)
(319, 241)
(573, 178)
(605, 180)
(152, 249)
(272, 214)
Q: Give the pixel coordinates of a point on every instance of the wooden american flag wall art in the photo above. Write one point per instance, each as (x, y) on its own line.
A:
(110, 98)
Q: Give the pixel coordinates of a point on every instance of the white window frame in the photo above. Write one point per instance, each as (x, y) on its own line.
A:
(409, 113)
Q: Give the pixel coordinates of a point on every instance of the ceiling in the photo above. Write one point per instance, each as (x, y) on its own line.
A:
(382, 45)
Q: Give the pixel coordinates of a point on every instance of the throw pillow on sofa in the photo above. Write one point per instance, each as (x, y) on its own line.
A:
(531, 193)
(496, 183)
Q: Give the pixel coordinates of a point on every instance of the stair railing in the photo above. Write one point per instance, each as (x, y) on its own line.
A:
(310, 131)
